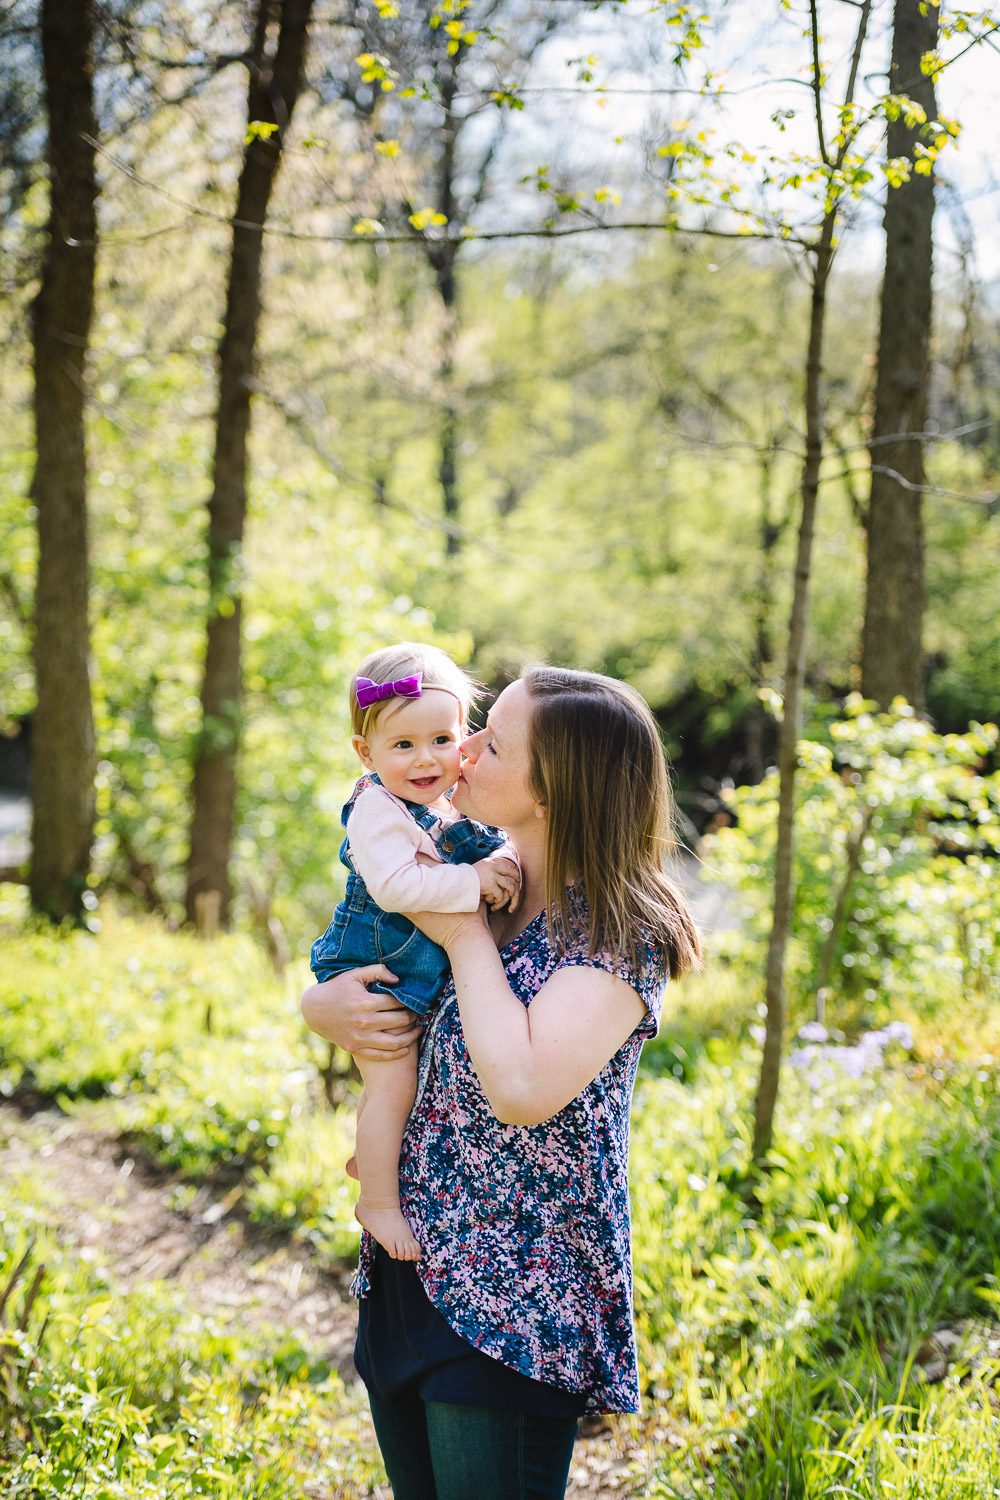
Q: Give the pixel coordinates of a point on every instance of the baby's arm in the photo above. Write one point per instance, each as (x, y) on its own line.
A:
(385, 845)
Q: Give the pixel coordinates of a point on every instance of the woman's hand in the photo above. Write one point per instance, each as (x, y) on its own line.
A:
(447, 927)
(342, 1010)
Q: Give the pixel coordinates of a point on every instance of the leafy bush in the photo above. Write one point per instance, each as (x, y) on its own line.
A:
(202, 1056)
(304, 1189)
(897, 842)
(780, 1345)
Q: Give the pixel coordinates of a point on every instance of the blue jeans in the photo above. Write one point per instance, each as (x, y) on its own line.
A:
(433, 1450)
(361, 933)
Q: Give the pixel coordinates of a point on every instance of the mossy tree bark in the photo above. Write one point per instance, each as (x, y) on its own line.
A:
(891, 652)
(276, 69)
(62, 767)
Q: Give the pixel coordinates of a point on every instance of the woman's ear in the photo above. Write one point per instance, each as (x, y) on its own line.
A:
(541, 811)
(361, 750)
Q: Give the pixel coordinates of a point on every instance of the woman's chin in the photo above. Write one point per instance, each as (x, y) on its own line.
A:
(460, 797)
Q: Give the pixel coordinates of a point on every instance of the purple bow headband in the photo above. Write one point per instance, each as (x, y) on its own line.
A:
(373, 692)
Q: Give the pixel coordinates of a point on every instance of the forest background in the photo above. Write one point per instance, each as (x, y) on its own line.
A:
(541, 329)
(583, 449)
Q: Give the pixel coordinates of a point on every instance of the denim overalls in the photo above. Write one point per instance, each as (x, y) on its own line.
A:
(362, 933)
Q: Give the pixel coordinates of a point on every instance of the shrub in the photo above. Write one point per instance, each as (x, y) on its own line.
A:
(897, 838)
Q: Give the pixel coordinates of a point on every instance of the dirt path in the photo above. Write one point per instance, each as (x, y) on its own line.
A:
(107, 1202)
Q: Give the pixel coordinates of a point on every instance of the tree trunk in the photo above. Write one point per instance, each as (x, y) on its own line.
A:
(275, 82)
(894, 596)
(443, 262)
(855, 848)
(759, 735)
(784, 854)
(784, 884)
(447, 461)
(63, 729)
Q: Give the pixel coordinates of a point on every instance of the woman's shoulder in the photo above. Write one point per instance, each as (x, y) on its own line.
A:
(644, 966)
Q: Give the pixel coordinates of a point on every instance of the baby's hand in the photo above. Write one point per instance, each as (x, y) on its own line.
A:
(499, 881)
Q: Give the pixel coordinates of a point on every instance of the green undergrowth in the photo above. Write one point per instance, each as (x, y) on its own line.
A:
(835, 1334)
(195, 1054)
(137, 1395)
(787, 1340)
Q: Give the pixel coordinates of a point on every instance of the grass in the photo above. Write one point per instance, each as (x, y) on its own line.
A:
(784, 1343)
(789, 1345)
(113, 1394)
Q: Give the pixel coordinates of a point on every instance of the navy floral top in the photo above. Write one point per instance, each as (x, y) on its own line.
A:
(525, 1229)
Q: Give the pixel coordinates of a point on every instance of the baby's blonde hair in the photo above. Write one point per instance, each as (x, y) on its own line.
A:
(390, 663)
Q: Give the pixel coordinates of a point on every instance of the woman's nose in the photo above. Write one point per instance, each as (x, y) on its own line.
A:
(470, 745)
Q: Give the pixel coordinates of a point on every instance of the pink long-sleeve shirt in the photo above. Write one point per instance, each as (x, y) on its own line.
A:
(400, 863)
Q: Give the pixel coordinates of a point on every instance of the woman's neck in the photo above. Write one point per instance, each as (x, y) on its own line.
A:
(530, 846)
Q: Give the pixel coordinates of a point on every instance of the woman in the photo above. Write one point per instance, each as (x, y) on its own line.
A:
(513, 1174)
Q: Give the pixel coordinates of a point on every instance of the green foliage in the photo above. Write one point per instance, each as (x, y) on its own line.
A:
(784, 1346)
(626, 443)
(200, 1060)
(259, 130)
(203, 1059)
(301, 643)
(304, 1189)
(625, 460)
(142, 1398)
(625, 448)
(17, 541)
(898, 833)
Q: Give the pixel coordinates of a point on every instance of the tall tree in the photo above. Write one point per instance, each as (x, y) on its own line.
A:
(63, 729)
(821, 257)
(276, 64)
(892, 660)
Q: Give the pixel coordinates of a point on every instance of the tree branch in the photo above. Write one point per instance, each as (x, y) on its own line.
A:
(990, 503)
(465, 234)
(302, 430)
(817, 80)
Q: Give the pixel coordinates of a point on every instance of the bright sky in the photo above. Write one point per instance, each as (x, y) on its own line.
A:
(760, 49)
(967, 91)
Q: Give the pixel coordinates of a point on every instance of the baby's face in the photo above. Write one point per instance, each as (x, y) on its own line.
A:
(414, 746)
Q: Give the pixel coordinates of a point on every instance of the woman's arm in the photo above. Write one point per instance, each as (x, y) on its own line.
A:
(531, 1061)
(342, 1010)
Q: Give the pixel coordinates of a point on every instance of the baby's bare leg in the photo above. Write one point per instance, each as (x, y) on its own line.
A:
(390, 1088)
(351, 1167)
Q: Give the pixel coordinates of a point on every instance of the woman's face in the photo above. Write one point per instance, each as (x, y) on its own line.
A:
(493, 784)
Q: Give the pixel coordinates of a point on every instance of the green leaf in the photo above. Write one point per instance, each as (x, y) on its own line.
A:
(259, 130)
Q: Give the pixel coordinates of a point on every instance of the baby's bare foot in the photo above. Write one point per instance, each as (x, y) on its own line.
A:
(352, 1168)
(389, 1227)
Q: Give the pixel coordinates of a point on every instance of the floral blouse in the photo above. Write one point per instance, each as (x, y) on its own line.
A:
(525, 1229)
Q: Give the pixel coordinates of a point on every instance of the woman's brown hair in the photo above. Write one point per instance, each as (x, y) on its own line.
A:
(597, 764)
